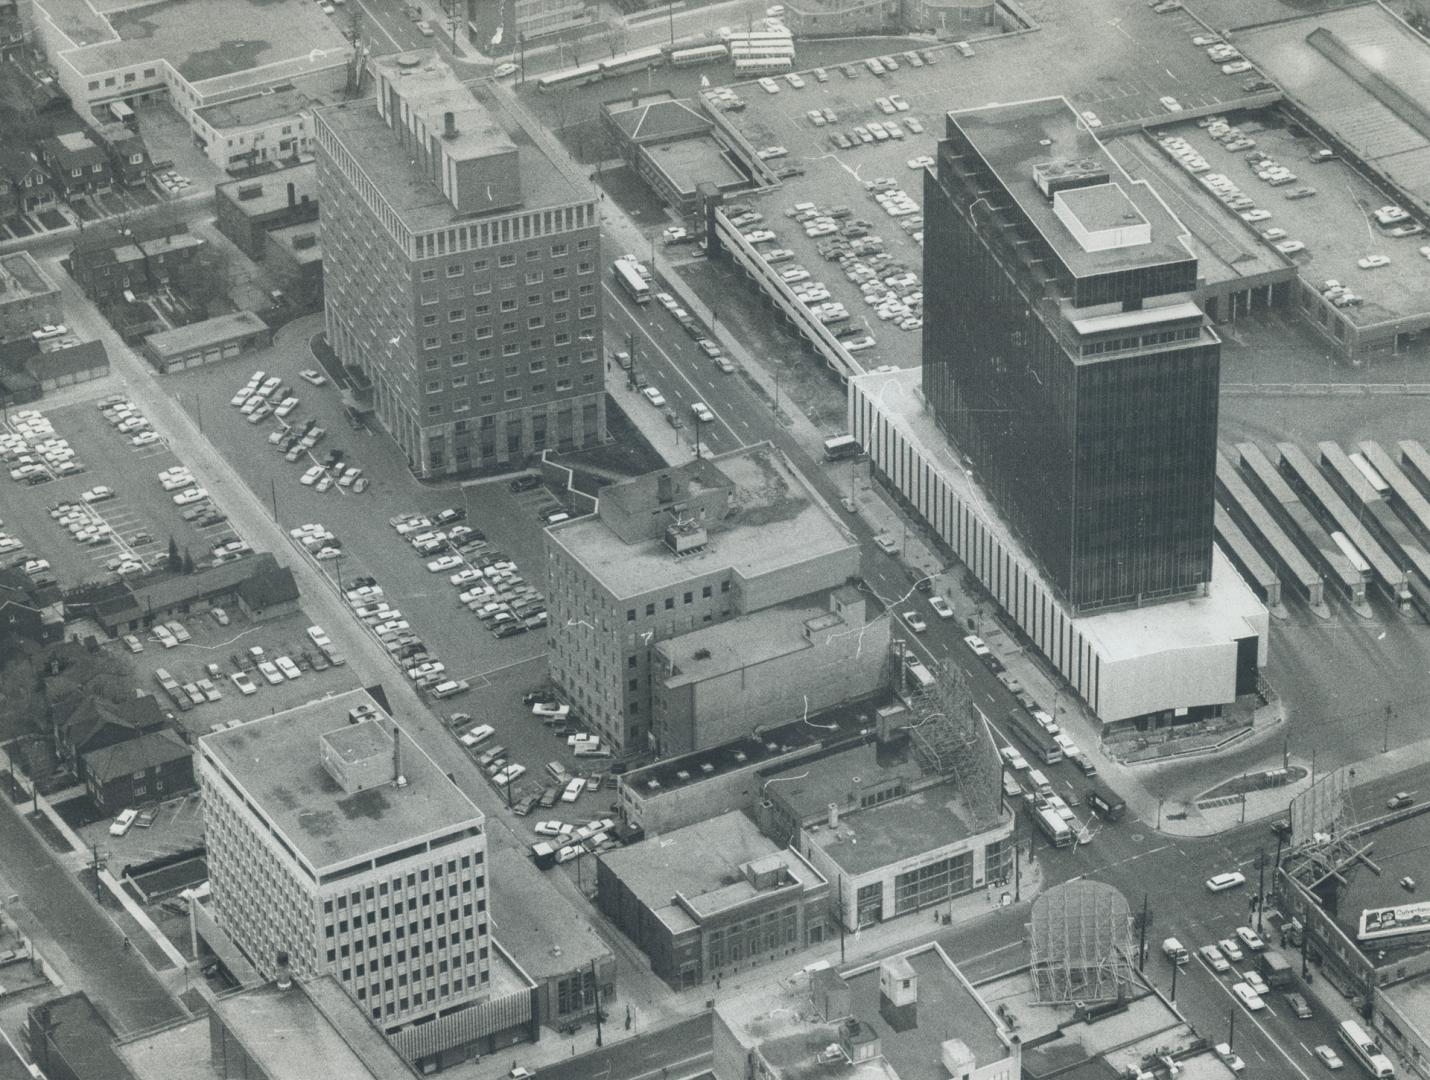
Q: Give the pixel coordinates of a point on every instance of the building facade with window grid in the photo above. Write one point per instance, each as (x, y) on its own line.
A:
(314, 850)
(461, 271)
(1066, 358)
(672, 552)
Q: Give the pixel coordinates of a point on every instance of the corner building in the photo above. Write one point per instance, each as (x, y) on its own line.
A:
(461, 271)
(1064, 355)
(352, 852)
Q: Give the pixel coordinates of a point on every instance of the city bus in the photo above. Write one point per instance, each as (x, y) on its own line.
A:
(1032, 735)
(1104, 802)
(701, 54)
(630, 279)
(1053, 826)
(1365, 1050)
(763, 50)
(632, 62)
(577, 76)
(769, 65)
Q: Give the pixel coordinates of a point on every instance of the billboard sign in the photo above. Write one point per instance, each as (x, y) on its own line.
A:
(1376, 923)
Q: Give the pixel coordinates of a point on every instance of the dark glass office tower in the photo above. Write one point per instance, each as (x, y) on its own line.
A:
(1064, 356)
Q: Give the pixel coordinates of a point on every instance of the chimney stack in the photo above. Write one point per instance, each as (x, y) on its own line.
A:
(397, 778)
(284, 978)
(292, 194)
(449, 125)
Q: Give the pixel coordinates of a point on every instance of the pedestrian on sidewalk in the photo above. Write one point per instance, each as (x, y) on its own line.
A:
(127, 943)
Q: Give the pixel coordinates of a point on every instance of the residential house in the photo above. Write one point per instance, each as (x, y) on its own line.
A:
(107, 261)
(269, 594)
(147, 769)
(126, 606)
(24, 184)
(128, 156)
(79, 165)
(28, 609)
(95, 723)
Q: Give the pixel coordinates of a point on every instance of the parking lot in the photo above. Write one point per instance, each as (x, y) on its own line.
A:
(140, 517)
(359, 522)
(1336, 224)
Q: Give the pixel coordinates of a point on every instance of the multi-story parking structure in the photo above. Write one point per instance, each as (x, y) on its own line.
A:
(461, 271)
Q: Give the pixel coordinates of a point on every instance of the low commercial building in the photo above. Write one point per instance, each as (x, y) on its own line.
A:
(247, 210)
(908, 1016)
(828, 18)
(551, 941)
(28, 298)
(890, 836)
(54, 369)
(208, 342)
(712, 899)
(537, 18)
(67, 1037)
(667, 141)
(147, 769)
(1402, 1016)
(123, 607)
(675, 552)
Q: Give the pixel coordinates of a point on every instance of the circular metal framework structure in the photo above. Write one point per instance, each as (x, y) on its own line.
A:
(1081, 941)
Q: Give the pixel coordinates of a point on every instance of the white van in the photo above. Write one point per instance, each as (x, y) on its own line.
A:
(1174, 951)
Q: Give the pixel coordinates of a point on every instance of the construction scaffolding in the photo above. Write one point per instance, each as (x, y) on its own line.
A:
(950, 737)
(1080, 938)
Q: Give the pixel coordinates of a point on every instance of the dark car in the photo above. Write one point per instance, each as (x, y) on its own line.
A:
(510, 629)
(362, 582)
(1399, 801)
(449, 516)
(525, 483)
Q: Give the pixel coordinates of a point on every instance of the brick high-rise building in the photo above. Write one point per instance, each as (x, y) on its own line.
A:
(336, 841)
(1065, 356)
(461, 270)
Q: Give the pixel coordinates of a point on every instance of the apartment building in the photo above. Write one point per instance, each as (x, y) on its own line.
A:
(337, 846)
(671, 553)
(461, 271)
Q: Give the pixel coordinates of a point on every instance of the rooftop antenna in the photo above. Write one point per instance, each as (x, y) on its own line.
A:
(398, 779)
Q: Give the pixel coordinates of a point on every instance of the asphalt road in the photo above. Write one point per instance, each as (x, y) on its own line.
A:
(128, 992)
(681, 1049)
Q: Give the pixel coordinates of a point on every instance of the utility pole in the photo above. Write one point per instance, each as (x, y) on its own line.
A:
(1385, 744)
(1231, 1029)
(1243, 798)
(273, 497)
(670, 15)
(1175, 966)
(597, 988)
(1260, 885)
(1142, 941)
(94, 865)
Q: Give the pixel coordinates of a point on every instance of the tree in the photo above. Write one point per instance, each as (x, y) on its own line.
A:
(188, 562)
(175, 562)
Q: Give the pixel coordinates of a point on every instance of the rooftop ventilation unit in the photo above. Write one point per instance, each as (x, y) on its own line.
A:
(1061, 174)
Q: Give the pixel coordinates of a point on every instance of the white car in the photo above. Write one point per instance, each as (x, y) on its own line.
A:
(1014, 759)
(942, 608)
(1250, 938)
(923, 161)
(654, 396)
(286, 406)
(446, 562)
(552, 828)
(244, 683)
(1372, 262)
(318, 636)
(503, 70)
(1171, 104)
(1222, 882)
(509, 775)
(769, 86)
(1231, 950)
(190, 495)
(285, 665)
(463, 577)
(702, 412)
(916, 623)
(270, 672)
(123, 822)
(1249, 997)
(1329, 1058)
(1214, 959)
(552, 709)
(144, 438)
(1290, 247)
(98, 494)
(313, 376)
(309, 478)
(1228, 1057)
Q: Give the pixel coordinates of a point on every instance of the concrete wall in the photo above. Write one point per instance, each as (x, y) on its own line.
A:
(675, 808)
(786, 583)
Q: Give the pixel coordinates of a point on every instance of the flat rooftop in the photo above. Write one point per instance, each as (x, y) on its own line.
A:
(834, 726)
(197, 335)
(275, 763)
(272, 189)
(546, 179)
(1400, 851)
(865, 840)
(1334, 224)
(534, 921)
(1222, 615)
(284, 237)
(256, 109)
(1345, 67)
(702, 863)
(260, 34)
(22, 278)
(742, 642)
(1012, 139)
(807, 787)
(776, 520)
(691, 162)
(777, 1021)
(1144, 1016)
